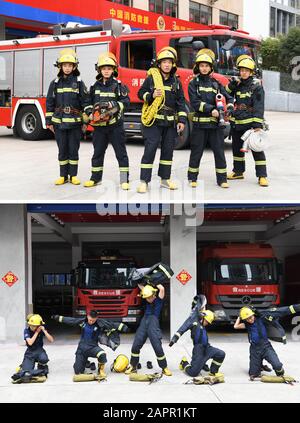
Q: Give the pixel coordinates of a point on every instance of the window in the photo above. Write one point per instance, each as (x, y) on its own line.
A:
(273, 22)
(137, 54)
(5, 78)
(124, 2)
(249, 272)
(200, 13)
(56, 279)
(164, 7)
(27, 73)
(229, 19)
(186, 53)
(87, 56)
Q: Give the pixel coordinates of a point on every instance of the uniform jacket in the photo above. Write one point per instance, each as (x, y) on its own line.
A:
(66, 99)
(202, 93)
(174, 108)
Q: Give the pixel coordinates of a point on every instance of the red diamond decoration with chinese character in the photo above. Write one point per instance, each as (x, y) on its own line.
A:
(10, 279)
(184, 277)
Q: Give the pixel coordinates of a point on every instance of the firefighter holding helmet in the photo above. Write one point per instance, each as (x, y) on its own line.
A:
(67, 96)
(249, 114)
(163, 116)
(203, 90)
(109, 98)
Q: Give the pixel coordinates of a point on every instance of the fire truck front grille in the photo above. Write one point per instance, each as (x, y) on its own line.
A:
(109, 306)
(237, 301)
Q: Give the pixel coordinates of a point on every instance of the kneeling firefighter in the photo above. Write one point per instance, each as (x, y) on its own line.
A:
(109, 98)
(248, 114)
(207, 125)
(34, 335)
(153, 292)
(202, 351)
(261, 326)
(66, 99)
(94, 330)
(163, 116)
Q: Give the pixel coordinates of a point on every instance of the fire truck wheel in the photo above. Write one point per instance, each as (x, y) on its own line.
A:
(29, 124)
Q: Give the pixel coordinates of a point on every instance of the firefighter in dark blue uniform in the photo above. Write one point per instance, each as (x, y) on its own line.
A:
(206, 130)
(67, 96)
(163, 116)
(150, 328)
(202, 350)
(93, 331)
(109, 99)
(258, 325)
(34, 336)
(248, 114)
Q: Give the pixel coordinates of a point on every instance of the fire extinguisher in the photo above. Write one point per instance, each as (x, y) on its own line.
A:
(222, 108)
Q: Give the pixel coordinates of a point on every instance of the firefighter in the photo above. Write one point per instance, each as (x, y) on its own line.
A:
(109, 98)
(259, 325)
(163, 117)
(206, 129)
(202, 350)
(248, 114)
(34, 335)
(150, 328)
(67, 96)
(93, 331)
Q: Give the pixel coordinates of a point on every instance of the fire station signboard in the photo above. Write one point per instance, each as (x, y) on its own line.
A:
(184, 277)
(10, 279)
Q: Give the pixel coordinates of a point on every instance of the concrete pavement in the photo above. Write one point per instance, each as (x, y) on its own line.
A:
(29, 168)
(237, 388)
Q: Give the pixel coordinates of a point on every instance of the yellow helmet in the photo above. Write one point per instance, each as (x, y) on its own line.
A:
(166, 53)
(245, 61)
(208, 52)
(246, 312)
(67, 55)
(107, 59)
(204, 58)
(35, 320)
(168, 48)
(148, 291)
(120, 364)
(209, 316)
(29, 316)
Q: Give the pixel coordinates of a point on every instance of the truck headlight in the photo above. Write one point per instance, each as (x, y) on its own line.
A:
(81, 312)
(134, 312)
(220, 314)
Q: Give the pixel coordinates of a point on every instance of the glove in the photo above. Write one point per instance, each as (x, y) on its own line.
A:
(125, 329)
(173, 340)
(55, 317)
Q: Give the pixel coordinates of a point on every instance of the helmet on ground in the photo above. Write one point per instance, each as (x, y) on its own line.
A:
(245, 61)
(120, 364)
(246, 312)
(35, 320)
(148, 291)
(208, 315)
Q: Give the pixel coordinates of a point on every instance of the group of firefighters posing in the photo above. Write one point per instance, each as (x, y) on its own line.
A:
(96, 331)
(70, 108)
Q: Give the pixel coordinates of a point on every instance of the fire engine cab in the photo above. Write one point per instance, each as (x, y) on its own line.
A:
(26, 66)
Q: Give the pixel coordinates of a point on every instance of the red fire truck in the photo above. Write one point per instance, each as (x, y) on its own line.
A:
(102, 284)
(236, 275)
(26, 66)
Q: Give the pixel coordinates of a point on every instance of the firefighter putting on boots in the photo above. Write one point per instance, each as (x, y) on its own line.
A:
(66, 99)
(94, 331)
(35, 353)
(262, 325)
(109, 98)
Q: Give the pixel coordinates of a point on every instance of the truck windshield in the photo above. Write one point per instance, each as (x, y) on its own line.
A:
(229, 49)
(247, 272)
(105, 277)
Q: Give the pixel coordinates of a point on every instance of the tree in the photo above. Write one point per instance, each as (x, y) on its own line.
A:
(289, 49)
(270, 53)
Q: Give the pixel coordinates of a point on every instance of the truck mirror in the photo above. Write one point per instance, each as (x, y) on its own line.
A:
(229, 44)
(185, 40)
(198, 45)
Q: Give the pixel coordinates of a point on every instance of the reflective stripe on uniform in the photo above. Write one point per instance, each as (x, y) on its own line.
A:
(165, 162)
(201, 108)
(102, 94)
(49, 114)
(216, 362)
(124, 169)
(243, 95)
(261, 163)
(163, 269)
(182, 114)
(164, 117)
(194, 169)
(100, 353)
(97, 169)
(135, 355)
(145, 96)
(161, 358)
(121, 105)
(67, 90)
(120, 326)
(66, 120)
(292, 310)
(63, 162)
(167, 88)
(238, 159)
(146, 166)
(203, 119)
(221, 170)
(250, 120)
(178, 334)
(228, 89)
(60, 319)
(208, 89)
(110, 122)
(73, 162)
